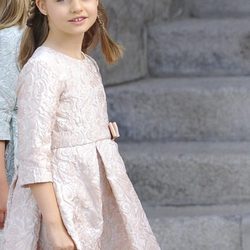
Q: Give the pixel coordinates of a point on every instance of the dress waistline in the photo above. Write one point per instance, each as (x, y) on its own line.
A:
(76, 138)
(82, 136)
(79, 143)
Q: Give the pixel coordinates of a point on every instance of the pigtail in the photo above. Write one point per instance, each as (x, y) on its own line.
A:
(31, 13)
(111, 50)
(35, 33)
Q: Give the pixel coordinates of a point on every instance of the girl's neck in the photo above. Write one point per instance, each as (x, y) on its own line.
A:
(69, 45)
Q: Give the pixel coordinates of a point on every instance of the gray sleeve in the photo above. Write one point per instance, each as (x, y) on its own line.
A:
(9, 42)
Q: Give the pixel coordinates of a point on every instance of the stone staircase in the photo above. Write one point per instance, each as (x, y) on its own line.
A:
(185, 128)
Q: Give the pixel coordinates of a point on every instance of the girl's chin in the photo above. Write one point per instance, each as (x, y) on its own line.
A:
(73, 32)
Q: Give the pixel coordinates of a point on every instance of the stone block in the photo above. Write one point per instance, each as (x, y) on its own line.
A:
(182, 109)
(184, 174)
(219, 8)
(199, 48)
(197, 233)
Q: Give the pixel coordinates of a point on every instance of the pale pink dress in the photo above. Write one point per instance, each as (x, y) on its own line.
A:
(64, 138)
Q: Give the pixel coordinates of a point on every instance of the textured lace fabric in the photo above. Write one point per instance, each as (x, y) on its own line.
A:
(9, 47)
(64, 139)
(9, 44)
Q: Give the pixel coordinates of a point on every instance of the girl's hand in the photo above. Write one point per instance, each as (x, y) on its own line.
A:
(56, 232)
(4, 190)
(59, 237)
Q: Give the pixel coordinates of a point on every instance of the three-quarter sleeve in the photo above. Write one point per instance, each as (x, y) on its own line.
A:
(38, 96)
(8, 77)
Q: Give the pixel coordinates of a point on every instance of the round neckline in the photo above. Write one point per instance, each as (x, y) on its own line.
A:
(65, 55)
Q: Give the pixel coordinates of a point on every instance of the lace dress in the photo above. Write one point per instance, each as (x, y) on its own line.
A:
(64, 139)
(9, 44)
(9, 48)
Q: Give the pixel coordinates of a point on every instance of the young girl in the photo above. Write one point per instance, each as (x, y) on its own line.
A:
(71, 189)
(12, 21)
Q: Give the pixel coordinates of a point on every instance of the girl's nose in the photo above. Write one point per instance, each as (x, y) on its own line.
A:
(76, 6)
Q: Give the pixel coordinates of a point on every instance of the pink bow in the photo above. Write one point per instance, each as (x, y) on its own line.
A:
(114, 130)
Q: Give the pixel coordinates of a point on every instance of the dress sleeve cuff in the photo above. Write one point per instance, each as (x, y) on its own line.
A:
(4, 131)
(34, 175)
(5, 127)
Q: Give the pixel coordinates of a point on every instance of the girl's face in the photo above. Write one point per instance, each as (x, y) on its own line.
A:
(73, 17)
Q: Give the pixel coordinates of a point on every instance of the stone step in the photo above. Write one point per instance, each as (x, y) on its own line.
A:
(192, 173)
(201, 228)
(199, 47)
(182, 109)
(221, 8)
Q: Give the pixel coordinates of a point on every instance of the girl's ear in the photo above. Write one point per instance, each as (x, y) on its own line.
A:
(41, 6)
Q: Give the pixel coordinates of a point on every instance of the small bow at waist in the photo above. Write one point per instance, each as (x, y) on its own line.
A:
(114, 131)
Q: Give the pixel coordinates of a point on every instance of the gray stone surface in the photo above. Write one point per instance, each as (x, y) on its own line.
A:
(189, 173)
(182, 109)
(163, 9)
(198, 233)
(188, 226)
(246, 233)
(201, 227)
(199, 48)
(219, 8)
(178, 8)
(241, 210)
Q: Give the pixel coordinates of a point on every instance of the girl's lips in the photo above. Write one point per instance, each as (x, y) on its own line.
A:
(77, 19)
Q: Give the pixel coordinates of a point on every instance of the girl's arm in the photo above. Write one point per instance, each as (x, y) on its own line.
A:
(3, 185)
(38, 98)
(46, 201)
(45, 196)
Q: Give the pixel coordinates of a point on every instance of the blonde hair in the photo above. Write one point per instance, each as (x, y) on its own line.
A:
(13, 12)
(38, 29)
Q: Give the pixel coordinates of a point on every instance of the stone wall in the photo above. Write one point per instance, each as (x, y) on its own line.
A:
(218, 8)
